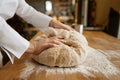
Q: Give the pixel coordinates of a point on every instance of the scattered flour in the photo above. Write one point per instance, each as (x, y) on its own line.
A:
(96, 61)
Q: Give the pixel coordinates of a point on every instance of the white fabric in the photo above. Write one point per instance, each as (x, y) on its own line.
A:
(32, 16)
(10, 41)
(8, 8)
(10, 55)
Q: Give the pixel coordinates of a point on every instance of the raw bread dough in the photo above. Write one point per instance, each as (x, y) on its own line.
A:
(68, 54)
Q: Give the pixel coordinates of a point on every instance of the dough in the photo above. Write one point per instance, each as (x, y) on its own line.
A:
(68, 54)
(62, 56)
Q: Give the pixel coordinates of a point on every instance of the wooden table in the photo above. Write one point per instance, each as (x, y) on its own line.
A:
(96, 39)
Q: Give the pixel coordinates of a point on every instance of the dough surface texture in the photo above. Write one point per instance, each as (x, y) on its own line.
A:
(68, 54)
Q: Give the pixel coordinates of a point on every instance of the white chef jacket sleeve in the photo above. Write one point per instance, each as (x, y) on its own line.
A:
(11, 42)
(33, 16)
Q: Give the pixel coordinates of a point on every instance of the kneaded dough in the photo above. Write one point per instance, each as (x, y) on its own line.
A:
(68, 54)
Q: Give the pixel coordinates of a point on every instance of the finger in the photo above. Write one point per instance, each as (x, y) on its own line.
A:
(61, 40)
(58, 38)
(55, 42)
(67, 27)
(53, 39)
(49, 45)
(70, 29)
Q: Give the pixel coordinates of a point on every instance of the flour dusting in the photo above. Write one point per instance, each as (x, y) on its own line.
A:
(96, 61)
(28, 70)
(112, 54)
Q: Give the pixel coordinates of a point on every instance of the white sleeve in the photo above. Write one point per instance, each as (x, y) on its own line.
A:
(10, 41)
(32, 16)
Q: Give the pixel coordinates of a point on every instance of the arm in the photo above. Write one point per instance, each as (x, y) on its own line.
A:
(32, 16)
(36, 18)
(11, 41)
(13, 44)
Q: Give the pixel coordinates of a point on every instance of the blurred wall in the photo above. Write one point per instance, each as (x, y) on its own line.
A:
(102, 10)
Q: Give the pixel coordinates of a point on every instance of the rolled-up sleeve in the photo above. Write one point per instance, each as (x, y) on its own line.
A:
(11, 41)
(33, 16)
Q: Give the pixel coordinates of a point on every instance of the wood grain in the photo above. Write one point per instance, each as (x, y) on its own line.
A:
(96, 39)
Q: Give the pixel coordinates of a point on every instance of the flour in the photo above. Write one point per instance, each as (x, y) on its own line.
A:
(67, 54)
(96, 61)
(112, 54)
(28, 70)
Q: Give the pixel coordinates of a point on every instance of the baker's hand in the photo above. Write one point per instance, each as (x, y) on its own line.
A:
(57, 24)
(36, 47)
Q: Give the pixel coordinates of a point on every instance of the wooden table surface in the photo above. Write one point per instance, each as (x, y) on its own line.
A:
(96, 39)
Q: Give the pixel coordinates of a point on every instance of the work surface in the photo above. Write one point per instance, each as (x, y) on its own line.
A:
(23, 68)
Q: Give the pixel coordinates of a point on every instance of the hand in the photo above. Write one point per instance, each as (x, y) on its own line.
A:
(57, 24)
(36, 47)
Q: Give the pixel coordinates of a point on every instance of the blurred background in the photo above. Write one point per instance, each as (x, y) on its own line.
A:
(96, 15)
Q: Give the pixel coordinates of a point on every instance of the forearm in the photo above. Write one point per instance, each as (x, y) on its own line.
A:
(29, 14)
(11, 41)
